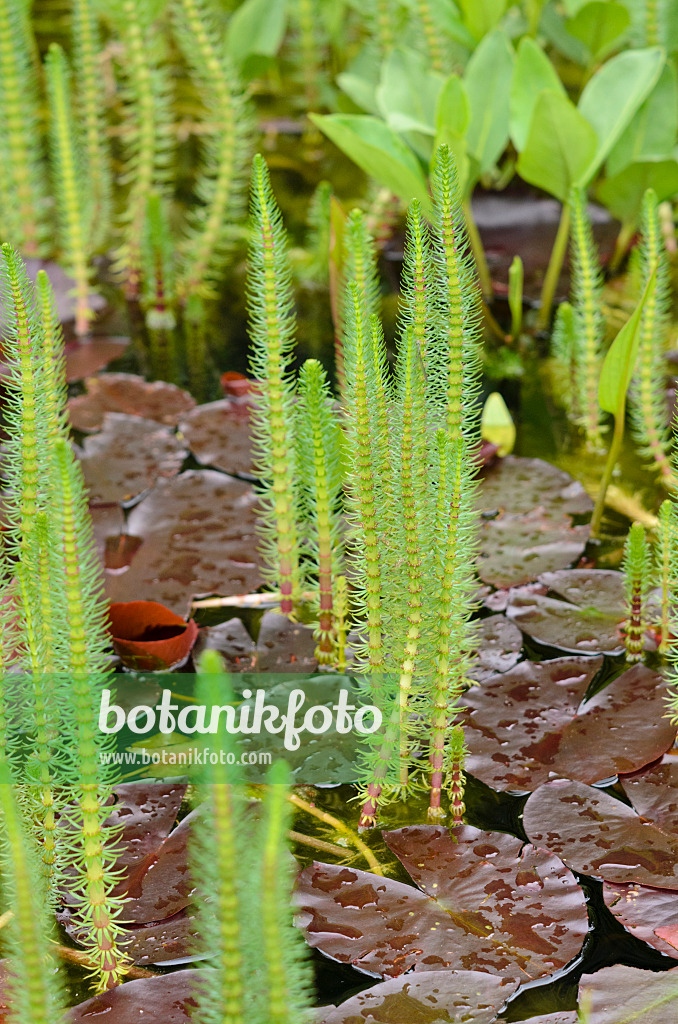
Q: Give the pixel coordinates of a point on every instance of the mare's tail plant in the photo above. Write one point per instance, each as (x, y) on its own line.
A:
(665, 555)
(147, 132)
(648, 392)
(158, 292)
(63, 639)
(636, 567)
(272, 332)
(90, 106)
(32, 989)
(221, 184)
(589, 322)
(22, 171)
(74, 208)
(259, 971)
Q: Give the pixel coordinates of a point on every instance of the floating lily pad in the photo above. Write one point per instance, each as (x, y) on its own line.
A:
(485, 901)
(621, 995)
(164, 1000)
(531, 723)
(527, 507)
(218, 434)
(285, 646)
(498, 644)
(586, 616)
(127, 457)
(198, 533)
(233, 643)
(428, 997)
(125, 392)
(87, 358)
(598, 835)
(649, 914)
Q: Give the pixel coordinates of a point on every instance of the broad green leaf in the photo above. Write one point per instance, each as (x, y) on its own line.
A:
(614, 94)
(572, 7)
(378, 151)
(652, 131)
(532, 73)
(554, 27)
(600, 25)
(360, 81)
(257, 26)
(623, 194)
(408, 93)
(452, 116)
(482, 16)
(488, 84)
(560, 145)
(620, 360)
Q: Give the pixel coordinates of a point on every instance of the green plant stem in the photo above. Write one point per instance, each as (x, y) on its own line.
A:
(612, 456)
(556, 261)
(478, 251)
(621, 245)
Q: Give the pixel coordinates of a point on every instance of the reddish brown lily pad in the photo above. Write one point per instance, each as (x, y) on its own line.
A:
(649, 914)
(169, 999)
(87, 358)
(621, 995)
(198, 534)
(218, 434)
(147, 636)
(527, 507)
(531, 724)
(127, 457)
(427, 997)
(598, 835)
(485, 902)
(586, 616)
(498, 645)
(127, 393)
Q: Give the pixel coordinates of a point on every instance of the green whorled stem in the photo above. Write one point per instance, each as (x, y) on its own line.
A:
(459, 326)
(197, 357)
(218, 852)
(341, 626)
(548, 291)
(636, 568)
(221, 179)
(69, 183)
(652, 30)
(416, 310)
(321, 449)
(285, 977)
(587, 296)
(432, 36)
(272, 332)
(23, 194)
(647, 400)
(23, 339)
(382, 18)
(666, 553)
(147, 129)
(456, 777)
(409, 480)
(33, 989)
(449, 670)
(307, 17)
(363, 484)
(53, 384)
(85, 639)
(91, 107)
(360, 262)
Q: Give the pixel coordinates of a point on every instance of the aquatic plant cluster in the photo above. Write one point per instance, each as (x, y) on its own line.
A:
(527, 688)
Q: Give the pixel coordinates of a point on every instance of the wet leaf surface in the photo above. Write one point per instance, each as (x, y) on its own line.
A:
(86, 359)
(108, 523)
(626, 995)
(147, 636)
(198, 533)
(284, 646)
(485, 902)
(168, 999)
(218, 434)
(498, 646)
(598, 835)
(234, 644)
(649, 914)
(127, 393)
(530, 724)
(127, 457)
(586, 616)
(428, 997)
(526, 513)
